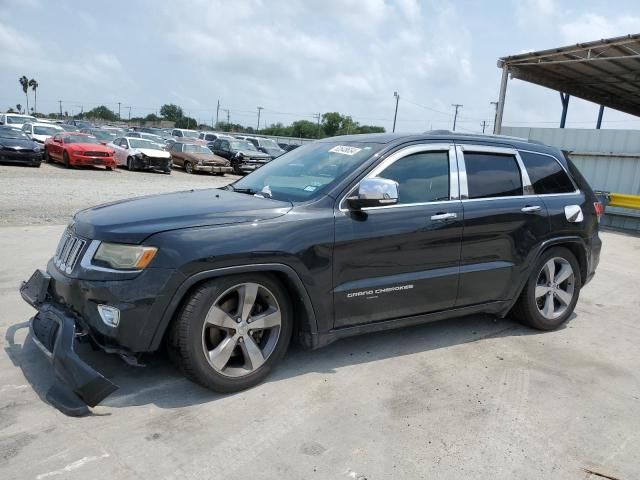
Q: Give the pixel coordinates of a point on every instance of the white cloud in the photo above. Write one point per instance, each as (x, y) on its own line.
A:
(590, 26)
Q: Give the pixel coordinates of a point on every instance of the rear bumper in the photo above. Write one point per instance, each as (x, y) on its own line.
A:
(593, 256)
(212, 168)
(54, 329)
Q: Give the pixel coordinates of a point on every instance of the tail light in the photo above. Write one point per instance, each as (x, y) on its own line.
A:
(599, 209)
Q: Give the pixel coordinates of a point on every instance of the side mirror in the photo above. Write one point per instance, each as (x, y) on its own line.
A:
(374, 192)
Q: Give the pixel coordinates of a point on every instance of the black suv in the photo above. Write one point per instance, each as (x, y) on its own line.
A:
(339, 237)
(242, 154)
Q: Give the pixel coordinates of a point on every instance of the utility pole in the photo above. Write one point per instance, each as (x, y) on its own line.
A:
(119, 111)
(258, 127)
(129, 113)
(483, 125)
(317, 116)
(455, 116)
(395, 115)
(495, 117)
(217, 111)
(60, 102)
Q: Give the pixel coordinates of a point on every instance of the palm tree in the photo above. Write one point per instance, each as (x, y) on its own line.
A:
(19, 107)
(34, 86)
(24, 81)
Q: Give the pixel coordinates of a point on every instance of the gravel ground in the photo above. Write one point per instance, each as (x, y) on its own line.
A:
(51, 193)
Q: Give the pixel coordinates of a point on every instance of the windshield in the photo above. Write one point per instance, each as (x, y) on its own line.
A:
(141, 143)
(46, 130)
(104, 135)
(152, 137)
(308, 171)
(242, 145)
(12, 133)
(190, 133)
(70, 128)
(80, 139)
(19, 120)
(188, 148)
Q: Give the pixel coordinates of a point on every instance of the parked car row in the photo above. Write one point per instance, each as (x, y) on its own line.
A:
(140, 148)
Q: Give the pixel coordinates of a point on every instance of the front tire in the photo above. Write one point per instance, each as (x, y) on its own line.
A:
(130, 164)
(188, 168)
(65, 160)
(551, 293)
(232, 331)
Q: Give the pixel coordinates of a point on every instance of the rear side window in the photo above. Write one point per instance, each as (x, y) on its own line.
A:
(422, 177)
(492, 175)
(546, 174)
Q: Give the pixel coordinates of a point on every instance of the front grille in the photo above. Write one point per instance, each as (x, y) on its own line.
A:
(96, 154)
(68, 252)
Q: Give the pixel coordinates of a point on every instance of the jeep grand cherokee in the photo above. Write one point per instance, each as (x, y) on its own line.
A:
(339, 237)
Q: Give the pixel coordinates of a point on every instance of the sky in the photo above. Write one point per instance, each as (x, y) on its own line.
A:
(298, 58)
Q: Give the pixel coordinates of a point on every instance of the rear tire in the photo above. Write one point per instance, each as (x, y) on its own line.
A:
(551, 293)
(211, 340)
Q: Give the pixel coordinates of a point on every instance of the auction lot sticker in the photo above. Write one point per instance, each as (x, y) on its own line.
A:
(345, 150)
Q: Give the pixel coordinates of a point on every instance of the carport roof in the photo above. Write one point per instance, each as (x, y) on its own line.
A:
(606, 72)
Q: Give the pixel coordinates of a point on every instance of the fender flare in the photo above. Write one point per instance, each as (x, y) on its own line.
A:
(534, 258)
(189, 282)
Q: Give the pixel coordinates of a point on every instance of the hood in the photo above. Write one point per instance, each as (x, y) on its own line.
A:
(24, 143)
(196, 157)
(131, 221)
(88, 147)
(40, 138)
(254, 154)
(150, 152)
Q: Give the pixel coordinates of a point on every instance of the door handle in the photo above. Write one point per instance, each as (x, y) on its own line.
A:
(444, 216)
(531, 208)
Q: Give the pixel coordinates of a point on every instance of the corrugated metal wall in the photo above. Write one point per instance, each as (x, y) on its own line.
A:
(609, 160)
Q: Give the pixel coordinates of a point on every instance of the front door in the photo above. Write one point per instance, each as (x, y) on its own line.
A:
(403, 259)
(503, 221)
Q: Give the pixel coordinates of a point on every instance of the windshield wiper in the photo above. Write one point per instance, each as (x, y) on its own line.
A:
(248, 191)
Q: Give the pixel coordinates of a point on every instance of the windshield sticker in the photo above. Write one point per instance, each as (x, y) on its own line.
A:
(310, 188)
(345, 150)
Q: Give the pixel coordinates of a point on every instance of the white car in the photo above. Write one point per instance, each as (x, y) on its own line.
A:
(140, 154)
(41, 131)
(184, 133)
(16, 120)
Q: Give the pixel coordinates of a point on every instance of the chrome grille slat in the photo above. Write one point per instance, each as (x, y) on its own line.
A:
(68, 252)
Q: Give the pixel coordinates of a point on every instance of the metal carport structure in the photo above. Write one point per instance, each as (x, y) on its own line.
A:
(606, 72)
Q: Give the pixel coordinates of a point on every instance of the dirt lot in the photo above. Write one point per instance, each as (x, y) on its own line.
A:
(469, 398)
(50, 194)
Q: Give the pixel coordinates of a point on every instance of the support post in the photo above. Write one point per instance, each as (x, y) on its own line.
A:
(497, 127)
(564, 98)
(600, 113)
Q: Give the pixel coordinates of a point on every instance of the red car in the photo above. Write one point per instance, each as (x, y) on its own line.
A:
(78, 149)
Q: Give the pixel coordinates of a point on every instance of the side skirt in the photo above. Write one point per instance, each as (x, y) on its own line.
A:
(323, 339)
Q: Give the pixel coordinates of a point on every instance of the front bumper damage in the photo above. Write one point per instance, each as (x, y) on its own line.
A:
(55, 330)
(144, 162)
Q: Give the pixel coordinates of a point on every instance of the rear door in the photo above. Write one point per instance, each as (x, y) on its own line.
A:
(401, 260)
(503, 221)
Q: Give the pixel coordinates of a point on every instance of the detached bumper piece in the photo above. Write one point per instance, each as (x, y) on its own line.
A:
(53, 329)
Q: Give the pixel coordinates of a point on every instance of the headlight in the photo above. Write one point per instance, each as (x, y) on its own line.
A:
(124, 257)
(77, 152)
(36, 148)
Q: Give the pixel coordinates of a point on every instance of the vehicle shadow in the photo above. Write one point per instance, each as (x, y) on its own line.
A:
(76, 167)
(161, 384)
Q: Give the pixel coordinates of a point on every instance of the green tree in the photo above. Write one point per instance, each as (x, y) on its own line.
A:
(152, 117)
(331, 123)
(172, 112)
(24, 81)
(304, 129)
(370, 129)
(34, 86)
(102, 113)
(186, 122)
(19, 107)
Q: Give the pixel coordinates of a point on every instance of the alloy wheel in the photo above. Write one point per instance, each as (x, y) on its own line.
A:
(188, 167)
(241, 329)
(555, 288)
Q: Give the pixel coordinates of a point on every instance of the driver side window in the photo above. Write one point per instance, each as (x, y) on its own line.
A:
(422, 177)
